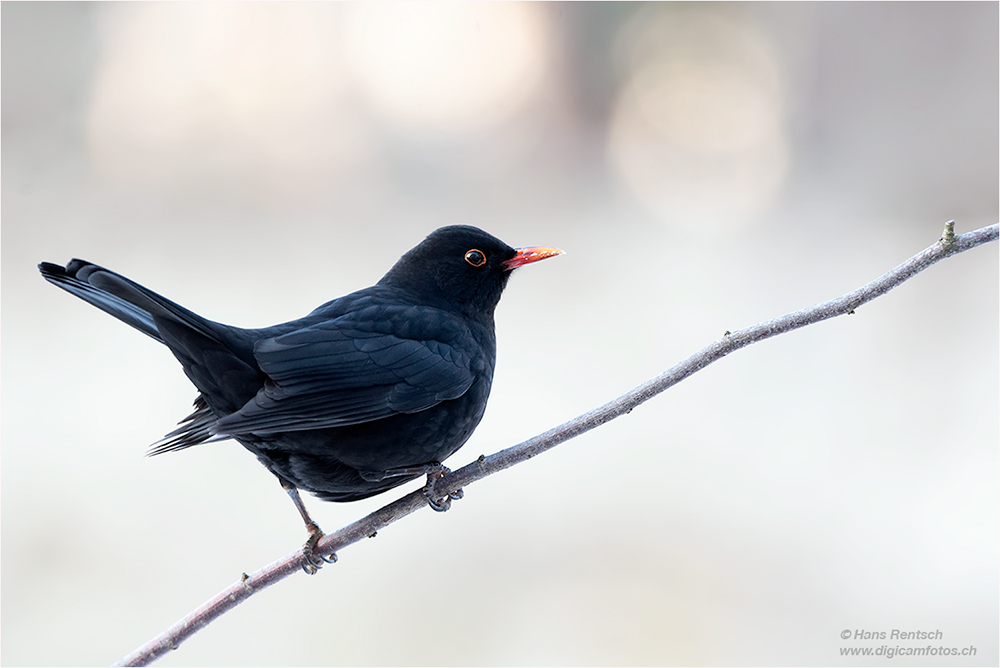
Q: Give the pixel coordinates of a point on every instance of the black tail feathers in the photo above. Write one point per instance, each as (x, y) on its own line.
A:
(76, 278)
(124, 299)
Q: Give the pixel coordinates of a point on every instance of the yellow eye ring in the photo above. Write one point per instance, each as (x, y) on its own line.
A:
(476, 258)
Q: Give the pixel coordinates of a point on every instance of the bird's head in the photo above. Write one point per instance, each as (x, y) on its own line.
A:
(462, 266)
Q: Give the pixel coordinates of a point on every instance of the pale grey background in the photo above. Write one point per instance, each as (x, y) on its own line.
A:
(705, 166)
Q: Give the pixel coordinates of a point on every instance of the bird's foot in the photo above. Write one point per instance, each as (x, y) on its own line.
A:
(434, 472)
(434, 500)
(314, 561)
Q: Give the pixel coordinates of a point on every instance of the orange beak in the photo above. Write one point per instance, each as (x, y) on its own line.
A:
(530, 254)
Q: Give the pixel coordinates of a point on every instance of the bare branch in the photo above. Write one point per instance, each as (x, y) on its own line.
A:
(949, 244)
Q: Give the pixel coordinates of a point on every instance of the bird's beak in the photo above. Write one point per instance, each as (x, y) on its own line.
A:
(530, 254)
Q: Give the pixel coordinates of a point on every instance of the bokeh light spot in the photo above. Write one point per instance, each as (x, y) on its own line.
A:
(697, 133)
(446, 67)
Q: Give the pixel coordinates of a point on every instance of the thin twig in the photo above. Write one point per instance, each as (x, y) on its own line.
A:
(948, 245)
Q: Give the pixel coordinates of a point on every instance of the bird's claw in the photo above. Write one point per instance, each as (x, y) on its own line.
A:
(439, 503)
(314, 561)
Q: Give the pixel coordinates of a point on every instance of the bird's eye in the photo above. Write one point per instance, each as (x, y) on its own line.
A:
(475, 257)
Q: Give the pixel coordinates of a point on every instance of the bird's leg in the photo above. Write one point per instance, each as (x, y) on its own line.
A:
(313, 564)
(433, 471)
(379, 476)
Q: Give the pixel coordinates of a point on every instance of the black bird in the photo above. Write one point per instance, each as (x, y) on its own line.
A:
(367, 392)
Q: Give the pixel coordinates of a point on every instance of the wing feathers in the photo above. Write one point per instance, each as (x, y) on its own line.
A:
(349, 370)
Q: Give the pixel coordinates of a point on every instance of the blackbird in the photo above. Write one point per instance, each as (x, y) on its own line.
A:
(365, 393)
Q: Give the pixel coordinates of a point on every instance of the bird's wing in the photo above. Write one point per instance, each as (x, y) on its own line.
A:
(356, 368)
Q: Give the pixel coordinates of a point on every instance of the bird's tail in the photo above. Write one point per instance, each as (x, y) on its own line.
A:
(124, 299)
(186, 334)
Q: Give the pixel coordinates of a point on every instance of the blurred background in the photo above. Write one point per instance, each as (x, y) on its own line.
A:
(705, 166)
